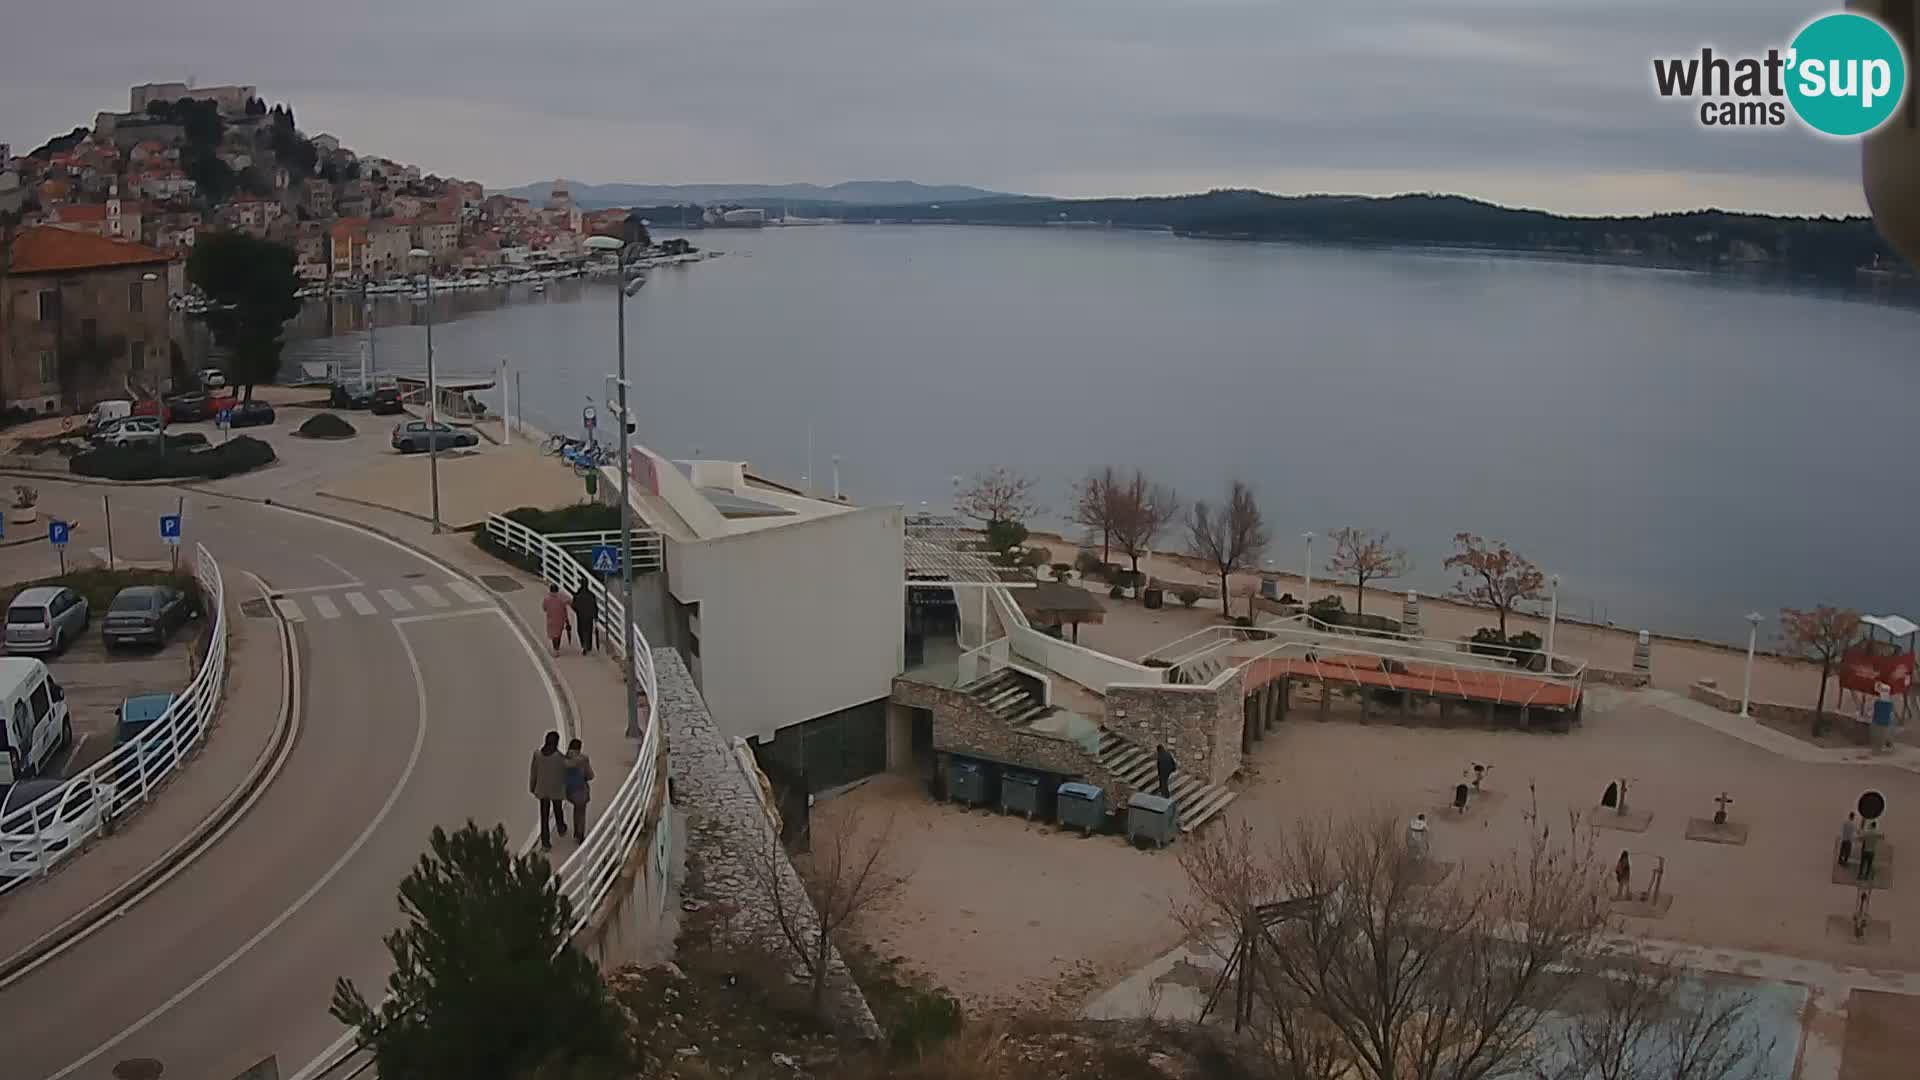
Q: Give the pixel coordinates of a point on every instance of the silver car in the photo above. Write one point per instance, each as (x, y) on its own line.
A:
(45, 619)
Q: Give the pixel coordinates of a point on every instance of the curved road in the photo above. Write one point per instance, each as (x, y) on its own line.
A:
(418, 704)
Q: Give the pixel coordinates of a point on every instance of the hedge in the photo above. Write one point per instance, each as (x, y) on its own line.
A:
(240, 454)
(100, 585)
(580, 517)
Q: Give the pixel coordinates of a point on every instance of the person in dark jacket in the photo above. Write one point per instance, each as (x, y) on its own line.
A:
(579, 786)
(586, 610)
(547, 782)
(1163, 766)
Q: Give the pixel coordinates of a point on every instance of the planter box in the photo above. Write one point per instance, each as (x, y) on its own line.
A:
(19, 515)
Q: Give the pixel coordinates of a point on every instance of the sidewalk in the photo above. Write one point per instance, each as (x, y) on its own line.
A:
(1757, 734)
(239, 744)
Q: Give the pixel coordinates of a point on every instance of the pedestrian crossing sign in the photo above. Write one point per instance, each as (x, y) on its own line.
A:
(605, 559)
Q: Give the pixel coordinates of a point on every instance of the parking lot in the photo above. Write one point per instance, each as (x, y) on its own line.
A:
(96, 681)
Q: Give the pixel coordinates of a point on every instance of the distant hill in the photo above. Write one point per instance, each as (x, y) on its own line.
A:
(855, 192)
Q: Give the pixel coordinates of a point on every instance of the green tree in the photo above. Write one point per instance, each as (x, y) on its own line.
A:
(250, 285)
(486, 984)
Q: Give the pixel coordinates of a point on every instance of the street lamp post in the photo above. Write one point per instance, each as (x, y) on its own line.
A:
(1746, 685)
(619, 247)
(1306, 588)
(1553, 617)
(433, 394)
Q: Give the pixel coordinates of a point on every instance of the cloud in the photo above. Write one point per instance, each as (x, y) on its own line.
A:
(1542, 99)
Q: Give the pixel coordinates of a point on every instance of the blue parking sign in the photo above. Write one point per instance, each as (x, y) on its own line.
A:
(223, 418)
(57, 533)
(605, 559)
(170, 528)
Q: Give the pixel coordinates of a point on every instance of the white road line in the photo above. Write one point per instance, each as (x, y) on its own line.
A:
(321, 588)
(344, 572)
(324, 606)
(393, 797)
(443, 616)
(289, 610)
(466, 591)
(433, 599)
(360, 604)
(396, 601)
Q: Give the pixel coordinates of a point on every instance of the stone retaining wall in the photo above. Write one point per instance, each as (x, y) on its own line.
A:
(1633, 680)
(728, 830)
(1201, 725)
(961, 725)
(1797, 715)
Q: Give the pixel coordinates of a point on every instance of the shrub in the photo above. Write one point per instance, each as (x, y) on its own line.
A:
(1089, 564)
(1329, 609)
(1118, 592)
(1189, 596)
(1036, 557)
(1524, 647)
(928, 1019)
(1003, 536)
(25, 495)
(240, 454)
(326, 426)
(1487, 641)
(580, 517)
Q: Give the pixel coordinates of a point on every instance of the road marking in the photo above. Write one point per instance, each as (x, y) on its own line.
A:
(467, 592)
(360, 604)
(433, 599)
(321, 588)
(443, 616)
(344, 572)
(324, 606)
(393, 797)
(395, 600)
(289, 610)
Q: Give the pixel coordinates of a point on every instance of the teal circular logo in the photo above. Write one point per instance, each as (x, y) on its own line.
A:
(1846, 74)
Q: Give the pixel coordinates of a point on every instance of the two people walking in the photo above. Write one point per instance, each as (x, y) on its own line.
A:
(586, 613)
(554, 778)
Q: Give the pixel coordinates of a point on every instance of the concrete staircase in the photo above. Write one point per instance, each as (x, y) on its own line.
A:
(1006, 695)
(1196, 799)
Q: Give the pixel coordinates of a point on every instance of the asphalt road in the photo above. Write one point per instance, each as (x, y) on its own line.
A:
(418, 705)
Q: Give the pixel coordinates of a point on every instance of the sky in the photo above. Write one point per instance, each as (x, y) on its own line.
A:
(1542, 103)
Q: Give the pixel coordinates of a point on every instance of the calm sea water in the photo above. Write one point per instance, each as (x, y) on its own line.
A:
(1680, 448)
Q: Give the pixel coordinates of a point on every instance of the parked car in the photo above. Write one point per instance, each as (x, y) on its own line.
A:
(34, 722)
(144, 613)
(132, 431)
(153, 407)
(58, 825)
(106, 412)
(195, 405)
(349, 396)
(413, 436)
(137, 714)
(250, 414)
(211, 378)
(46, 619)
(385, 401)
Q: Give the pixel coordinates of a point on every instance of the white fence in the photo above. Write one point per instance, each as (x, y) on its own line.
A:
(35, 836)
(646, 545)
(590, 872)
(1094, 670)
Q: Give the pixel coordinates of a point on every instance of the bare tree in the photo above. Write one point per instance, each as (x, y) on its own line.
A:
(1491, 575)
(1093, 505)
(1649, 1019)
(1141, 510)
(998, 495)
(839, 880)
(1365, 555)
(1231, 538)
(1824, 635)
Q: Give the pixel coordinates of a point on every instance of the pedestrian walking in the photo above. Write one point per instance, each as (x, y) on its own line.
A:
(547, 782)
(1163, 766)
(555, 607)
(579, 786)
(1869, 846)
(1623, 876)
(586, 609)
(1847, 830)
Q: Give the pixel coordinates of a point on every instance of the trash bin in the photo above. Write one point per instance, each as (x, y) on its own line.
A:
(1269, 588)
(1155, 596)
(966, 781)
(1020, 793)
(1152, 818)
(1082, 806)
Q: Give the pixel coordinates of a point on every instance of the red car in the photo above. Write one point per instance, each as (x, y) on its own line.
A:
(152, 407)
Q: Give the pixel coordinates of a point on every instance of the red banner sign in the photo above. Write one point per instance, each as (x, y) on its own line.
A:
(1863, 669)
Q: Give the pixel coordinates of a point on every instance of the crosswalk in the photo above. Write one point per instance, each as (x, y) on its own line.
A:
(362, 602)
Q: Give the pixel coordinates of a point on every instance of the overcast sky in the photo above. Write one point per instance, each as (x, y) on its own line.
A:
(1531, 102)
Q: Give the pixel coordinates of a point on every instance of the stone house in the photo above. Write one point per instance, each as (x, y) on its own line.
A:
(100, 301)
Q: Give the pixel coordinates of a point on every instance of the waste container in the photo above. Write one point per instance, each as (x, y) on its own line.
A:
(1020, 793)
(1152, 818)
(1155, 596)
(966, 781)
(1082, 806)
(1269, 588)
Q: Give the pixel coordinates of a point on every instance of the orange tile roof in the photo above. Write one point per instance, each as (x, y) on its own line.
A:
(46, 249)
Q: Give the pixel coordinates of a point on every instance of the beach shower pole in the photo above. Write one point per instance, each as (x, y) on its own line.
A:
(1746, 685)
(1306, 590)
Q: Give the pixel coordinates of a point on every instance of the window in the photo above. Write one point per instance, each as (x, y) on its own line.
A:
(49, 371)
(136, 296)
(136, 355)
(49, 305)
(42, 701)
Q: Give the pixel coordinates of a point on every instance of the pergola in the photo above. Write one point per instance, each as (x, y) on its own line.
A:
(1053, 603)
(941, 552)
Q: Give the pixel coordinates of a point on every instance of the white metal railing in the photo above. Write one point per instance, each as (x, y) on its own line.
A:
(647, 548)
(589, 874)
(35, 836)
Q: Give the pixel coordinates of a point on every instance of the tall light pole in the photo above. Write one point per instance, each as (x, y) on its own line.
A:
(1553, 617)
(619, 247)
(433, 394)
(1306, 589)
(1746, 685)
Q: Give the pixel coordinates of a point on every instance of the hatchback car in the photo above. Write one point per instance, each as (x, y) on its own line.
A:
(186, 408)
(416, 435)
(70, 812)
(349, 396)
(137, 714)
(250, 414)
(212, 378)
(133, 431)
(386, 402)
(144, 614)
(45, 619)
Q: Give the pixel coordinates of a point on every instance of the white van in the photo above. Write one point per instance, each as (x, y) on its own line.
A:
(34, 724)
(106, 411)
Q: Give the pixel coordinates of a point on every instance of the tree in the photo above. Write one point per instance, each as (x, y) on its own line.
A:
(1141, 509)
(1365, 555)
(999, 494)
(1493, 576)
(1231, 538)
(249, 285)
(486, 982)
(1823, 634)
(839, 880)
(1092, 507)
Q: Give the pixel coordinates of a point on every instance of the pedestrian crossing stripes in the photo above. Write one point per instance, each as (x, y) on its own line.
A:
(321, 605)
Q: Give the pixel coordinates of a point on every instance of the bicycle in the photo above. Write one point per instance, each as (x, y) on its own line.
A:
(562, 445)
